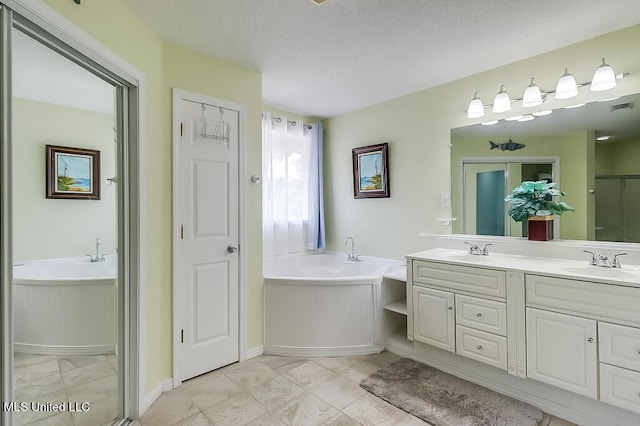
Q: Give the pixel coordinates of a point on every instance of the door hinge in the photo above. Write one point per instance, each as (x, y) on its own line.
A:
(182, 336)
(182, 232)
(181, 125)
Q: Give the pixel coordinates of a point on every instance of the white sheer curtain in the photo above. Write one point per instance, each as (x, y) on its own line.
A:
(292, 214)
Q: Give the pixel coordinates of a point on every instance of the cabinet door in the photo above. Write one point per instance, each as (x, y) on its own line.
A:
(562, 351)
(434, 318)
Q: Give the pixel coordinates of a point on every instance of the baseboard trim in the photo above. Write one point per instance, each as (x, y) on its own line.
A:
(254, 352)
(311, 352)
(31, 349)
(165, 386)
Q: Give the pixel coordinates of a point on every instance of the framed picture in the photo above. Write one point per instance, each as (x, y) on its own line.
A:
(73, 173)
(371, 171)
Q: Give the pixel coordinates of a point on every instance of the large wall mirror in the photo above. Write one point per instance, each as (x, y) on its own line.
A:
(592, 152)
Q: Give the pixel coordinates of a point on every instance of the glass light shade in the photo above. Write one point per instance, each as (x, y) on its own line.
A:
(567, 86)
(532, 96)
(476, 108)
(501, 103)
(603, 79)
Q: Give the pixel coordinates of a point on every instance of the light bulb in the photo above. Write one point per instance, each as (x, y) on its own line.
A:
(567, 86)
(501, 103)
(532, 96)
(603, 79)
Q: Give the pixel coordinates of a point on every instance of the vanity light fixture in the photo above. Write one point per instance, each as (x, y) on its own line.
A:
(532, 95)
(476, 108)
(603, 79)
(567, 86)
(501, 102)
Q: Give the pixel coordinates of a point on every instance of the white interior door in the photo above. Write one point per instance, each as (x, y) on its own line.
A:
(208, 249)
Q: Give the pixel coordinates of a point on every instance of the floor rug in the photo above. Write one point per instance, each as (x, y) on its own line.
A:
(441, 399)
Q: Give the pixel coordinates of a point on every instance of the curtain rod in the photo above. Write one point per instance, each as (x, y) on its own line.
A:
(293, 123)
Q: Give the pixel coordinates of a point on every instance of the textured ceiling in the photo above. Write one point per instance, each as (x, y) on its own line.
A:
(324, 60)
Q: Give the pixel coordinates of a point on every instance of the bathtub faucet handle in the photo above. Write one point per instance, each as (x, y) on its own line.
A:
(98, 257)
(351, 256)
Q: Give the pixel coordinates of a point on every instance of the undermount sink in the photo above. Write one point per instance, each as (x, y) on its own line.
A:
(468, 257)
(624, 272)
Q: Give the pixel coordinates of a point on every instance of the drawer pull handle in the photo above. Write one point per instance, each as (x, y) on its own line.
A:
(479, 347)
(479, 314)
(450, 308)
(590, 340)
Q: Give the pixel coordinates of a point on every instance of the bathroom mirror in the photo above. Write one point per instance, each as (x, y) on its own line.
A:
(600, 175)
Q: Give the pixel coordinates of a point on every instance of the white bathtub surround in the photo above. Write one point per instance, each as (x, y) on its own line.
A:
(65, 306)
(323, 305)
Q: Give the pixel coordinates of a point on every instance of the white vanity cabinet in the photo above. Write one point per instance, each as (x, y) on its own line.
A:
(591, 343)
(434, 319)
(620, 365)
(461, 309)
(555, 321)
(562, 351)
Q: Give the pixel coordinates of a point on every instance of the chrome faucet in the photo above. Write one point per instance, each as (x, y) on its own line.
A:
(98, 257)
(475, 250)
(603, 260)
(351, 256)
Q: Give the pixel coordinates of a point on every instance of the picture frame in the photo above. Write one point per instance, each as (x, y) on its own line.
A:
(371, 171)
(72, 173)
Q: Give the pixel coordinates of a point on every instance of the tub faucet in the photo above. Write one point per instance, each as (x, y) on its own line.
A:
(98, 257)
(351, 256)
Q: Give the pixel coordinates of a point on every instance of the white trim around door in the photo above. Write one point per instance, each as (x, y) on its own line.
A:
(178, 96)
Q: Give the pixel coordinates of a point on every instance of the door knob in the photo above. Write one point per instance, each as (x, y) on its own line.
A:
(232, 248)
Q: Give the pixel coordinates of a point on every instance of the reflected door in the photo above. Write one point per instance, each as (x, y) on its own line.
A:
(490, 202)
(484, 192)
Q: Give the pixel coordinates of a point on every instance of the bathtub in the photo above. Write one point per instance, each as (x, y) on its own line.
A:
(321, 305)
(65, 306)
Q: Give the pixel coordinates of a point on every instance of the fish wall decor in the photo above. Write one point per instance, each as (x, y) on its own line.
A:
(508, 146)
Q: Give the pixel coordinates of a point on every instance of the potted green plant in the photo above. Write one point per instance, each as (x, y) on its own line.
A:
(534, 202)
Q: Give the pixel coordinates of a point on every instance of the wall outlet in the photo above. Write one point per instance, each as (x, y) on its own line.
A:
(446, 199)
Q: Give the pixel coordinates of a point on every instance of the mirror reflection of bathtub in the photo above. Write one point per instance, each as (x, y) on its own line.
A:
(65, 306)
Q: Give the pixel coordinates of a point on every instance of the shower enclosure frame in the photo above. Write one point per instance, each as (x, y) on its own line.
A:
(48, 27)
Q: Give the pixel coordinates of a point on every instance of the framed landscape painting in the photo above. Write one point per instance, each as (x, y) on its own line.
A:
(73, 173)
(371, 171)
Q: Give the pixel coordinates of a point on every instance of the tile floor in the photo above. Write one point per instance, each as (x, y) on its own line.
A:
(61, 379)
(271, 390)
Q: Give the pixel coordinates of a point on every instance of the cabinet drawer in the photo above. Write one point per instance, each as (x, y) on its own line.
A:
(481, 314)
(607, 300)
(472, 279)
(619, 345)
(620, 387)
(481, 346)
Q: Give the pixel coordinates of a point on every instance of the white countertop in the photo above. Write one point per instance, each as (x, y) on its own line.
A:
(628, 275)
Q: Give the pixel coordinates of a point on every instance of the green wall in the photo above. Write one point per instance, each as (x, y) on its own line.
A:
(418, 127)
(618, 158)
(55, 228)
